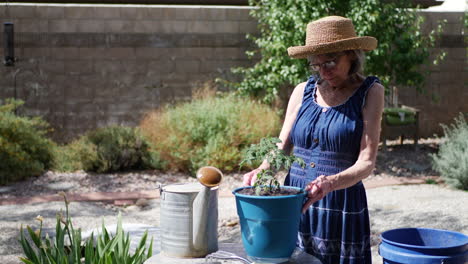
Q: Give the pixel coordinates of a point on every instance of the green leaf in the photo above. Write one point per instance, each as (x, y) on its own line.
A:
(59, 237)
(25, 260)
(120, 235)
(268, 149)
(27, 249)
(35, 238)
(113, 242)
(89, 250)
(143, 240)
(150, 250)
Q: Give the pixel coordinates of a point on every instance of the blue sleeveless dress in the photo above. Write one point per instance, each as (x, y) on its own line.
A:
(335, 229)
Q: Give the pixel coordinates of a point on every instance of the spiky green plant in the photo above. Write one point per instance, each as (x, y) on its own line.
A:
(68, 248)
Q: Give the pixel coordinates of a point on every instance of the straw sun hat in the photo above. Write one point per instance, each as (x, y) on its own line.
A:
(331, 34)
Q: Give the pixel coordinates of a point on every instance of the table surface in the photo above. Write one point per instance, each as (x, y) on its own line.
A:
(236, 249)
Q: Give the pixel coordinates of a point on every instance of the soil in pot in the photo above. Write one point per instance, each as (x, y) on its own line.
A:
(270, 192)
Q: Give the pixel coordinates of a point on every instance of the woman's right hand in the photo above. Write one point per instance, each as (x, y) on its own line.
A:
(250, 177)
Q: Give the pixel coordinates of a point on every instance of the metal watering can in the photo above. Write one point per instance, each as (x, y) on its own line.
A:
(189, 216)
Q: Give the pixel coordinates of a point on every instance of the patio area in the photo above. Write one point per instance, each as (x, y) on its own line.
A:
(393, 206)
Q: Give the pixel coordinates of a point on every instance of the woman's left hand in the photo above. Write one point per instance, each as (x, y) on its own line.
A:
(316, 190)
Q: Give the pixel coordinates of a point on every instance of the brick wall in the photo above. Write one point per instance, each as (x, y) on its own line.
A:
(445, 93)
(87, 66)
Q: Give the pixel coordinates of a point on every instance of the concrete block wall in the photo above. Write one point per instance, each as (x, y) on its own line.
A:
(445, 93)
(88, 66)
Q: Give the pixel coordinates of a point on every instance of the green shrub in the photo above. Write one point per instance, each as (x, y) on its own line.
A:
(68, 247)
(401, 52)
(108, 149)
(209, 131)
(79, 154)
(122, 148)
(452, 159)
(25, 150)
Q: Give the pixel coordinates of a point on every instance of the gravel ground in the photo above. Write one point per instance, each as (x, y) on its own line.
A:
(431, 206)
(428, 206)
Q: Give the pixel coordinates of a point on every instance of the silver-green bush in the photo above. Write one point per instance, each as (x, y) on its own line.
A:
(452, 159)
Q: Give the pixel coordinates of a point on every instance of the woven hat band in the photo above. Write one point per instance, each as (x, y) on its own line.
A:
(326, 31)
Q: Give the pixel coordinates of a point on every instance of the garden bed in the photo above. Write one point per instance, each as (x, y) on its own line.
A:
(397, 161)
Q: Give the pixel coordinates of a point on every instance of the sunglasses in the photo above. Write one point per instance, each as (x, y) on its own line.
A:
(325, 65)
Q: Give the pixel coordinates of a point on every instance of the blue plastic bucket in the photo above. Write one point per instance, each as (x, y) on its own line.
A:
(269, 225)
(423, 246)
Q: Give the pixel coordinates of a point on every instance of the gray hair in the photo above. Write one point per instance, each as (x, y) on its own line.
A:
(357, 65)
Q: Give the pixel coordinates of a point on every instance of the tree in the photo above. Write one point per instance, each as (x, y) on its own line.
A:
(282, 23)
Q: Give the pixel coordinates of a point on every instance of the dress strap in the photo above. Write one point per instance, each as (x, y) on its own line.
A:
(368, 83)
(309, 89)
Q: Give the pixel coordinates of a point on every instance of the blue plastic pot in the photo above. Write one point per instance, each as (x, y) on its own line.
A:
(423, 246)
(269, 224)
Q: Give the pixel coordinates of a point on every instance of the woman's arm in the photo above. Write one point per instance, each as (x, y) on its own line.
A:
(372, 114)
(294, 104)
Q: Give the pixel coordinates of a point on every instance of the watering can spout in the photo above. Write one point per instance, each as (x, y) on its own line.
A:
(209, 177)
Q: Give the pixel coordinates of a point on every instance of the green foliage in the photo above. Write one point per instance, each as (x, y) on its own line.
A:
(452, 159)
(106, 250)
(401, 49)
(79, 154)
(399, 116)
(122, 148)
(109, 149)
(25, 150)
(208, 131)
(267, 149)
(430, 181)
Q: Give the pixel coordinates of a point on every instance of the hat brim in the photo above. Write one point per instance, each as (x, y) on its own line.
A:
(363, 43)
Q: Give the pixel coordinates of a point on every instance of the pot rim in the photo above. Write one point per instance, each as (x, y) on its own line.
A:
(385, 239)
(301, 193)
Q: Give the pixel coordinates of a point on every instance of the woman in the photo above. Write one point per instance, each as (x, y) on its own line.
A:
(333, 123)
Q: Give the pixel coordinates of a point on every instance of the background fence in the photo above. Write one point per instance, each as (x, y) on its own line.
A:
(87, 66)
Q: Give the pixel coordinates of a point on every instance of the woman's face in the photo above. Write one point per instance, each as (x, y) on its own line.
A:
(333, 68)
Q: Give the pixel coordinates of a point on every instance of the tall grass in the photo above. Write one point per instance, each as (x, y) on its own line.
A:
(209, 130)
